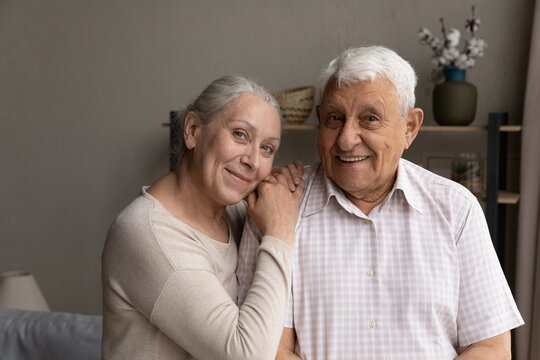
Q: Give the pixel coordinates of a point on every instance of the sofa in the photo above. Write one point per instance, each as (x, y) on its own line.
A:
(39, 335)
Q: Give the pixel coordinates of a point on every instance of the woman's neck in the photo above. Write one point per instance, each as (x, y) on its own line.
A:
(179, 191)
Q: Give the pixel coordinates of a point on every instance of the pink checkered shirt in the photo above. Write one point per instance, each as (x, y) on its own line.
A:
(415, 279)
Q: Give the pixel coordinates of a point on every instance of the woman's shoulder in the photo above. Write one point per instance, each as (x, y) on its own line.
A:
(135, 216)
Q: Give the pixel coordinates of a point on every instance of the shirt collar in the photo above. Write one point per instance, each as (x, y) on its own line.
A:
(322, 189)
(403, 183)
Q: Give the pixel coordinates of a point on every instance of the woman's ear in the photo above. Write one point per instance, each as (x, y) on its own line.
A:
(414, 120)
(191, 129)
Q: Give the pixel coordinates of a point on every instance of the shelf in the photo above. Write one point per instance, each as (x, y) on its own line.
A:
(510, 128)
(503, 128)
(301, 126)
(507, 197)
(452, 128)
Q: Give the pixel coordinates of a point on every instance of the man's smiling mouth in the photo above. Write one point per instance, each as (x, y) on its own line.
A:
(352, 158)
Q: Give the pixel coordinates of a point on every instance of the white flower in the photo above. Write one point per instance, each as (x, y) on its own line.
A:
(436, 44)
(475, 47)
(450, 54)
(425, 36)
(452, 38)
(461, 61)
(446, 52)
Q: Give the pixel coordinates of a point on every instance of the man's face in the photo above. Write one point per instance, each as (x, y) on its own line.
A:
(362, 136)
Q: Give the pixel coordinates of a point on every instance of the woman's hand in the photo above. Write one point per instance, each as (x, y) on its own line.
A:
(274, 207)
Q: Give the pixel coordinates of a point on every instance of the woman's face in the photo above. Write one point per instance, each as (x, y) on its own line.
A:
(233, 153)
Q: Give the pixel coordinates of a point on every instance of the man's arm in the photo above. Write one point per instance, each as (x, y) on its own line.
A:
(286, 345)
(497, 347)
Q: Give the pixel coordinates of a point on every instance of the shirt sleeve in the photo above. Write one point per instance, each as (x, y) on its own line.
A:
(247, 258)
(486, 306)
(196, 312)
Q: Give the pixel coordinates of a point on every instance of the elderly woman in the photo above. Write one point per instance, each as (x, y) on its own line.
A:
(169, 287)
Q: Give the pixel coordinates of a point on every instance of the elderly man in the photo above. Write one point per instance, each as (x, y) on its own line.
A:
(391, 261)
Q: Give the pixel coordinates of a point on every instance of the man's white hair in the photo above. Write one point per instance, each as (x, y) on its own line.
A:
(370, 63)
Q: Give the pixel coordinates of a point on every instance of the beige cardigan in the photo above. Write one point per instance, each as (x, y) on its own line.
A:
(169, 291)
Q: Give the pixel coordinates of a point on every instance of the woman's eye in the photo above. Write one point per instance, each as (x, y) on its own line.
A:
(239, 135)
(372, 118)
(267, 149)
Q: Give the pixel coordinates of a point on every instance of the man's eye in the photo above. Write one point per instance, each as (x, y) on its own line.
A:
(370, 122)
(334, 121)
(335, 118)
(372, 118)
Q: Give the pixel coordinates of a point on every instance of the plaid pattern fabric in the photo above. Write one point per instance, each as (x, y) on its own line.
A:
(415, 279)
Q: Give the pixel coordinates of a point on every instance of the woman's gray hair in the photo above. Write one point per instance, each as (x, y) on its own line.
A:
(216, 98)
(370, 63)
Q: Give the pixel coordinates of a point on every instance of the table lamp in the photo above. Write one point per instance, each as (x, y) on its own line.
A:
(19, 290)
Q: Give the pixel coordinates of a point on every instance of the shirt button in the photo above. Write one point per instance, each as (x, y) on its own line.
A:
(370, 272)
(366, 221)
(372, 324)
(341, 211)
(391, 209)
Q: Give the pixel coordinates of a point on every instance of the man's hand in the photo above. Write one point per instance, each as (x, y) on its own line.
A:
(292, 174)
(497, 347)
(274, 208)
(286, 345)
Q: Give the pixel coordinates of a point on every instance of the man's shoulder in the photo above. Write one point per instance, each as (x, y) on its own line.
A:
(428, 183)
(310, 171)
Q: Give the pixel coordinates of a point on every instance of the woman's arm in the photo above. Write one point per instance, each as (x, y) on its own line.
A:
(196, 312)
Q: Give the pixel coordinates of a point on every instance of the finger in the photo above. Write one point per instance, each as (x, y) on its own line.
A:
(288, 173)
(300, 188)
(299, 167)
(285, 180)
(251, 199)
(295, 174)
(271, 179)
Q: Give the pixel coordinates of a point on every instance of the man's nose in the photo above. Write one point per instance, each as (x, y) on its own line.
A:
(349, 136)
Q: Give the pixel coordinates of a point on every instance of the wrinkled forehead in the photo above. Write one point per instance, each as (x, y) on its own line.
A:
(333, 87)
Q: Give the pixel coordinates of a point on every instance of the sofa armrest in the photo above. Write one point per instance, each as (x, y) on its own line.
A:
(39, 335)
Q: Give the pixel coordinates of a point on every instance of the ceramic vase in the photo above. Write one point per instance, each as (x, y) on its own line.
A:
(454, 100)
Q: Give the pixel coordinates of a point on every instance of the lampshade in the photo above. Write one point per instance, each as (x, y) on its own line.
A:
(19, 290)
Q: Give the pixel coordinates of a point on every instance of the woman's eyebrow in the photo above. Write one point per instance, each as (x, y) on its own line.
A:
(252, 129)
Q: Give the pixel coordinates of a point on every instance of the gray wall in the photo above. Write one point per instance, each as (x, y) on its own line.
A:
(85, 85)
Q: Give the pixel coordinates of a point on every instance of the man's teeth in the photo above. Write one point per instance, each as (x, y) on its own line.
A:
(351, 159)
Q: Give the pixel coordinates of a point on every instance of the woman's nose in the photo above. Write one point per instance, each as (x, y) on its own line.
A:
(251, 157)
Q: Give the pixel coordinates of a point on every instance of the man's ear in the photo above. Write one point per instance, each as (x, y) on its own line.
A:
(414, 120)
(191, 129)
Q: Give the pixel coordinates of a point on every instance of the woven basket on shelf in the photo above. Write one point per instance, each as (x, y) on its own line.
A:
(295, 104)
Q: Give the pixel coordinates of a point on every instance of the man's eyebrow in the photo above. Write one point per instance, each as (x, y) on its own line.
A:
(371, 107)
(374, 107)
(332, 104)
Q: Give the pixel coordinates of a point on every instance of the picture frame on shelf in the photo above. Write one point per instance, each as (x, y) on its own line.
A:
(468, 169)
